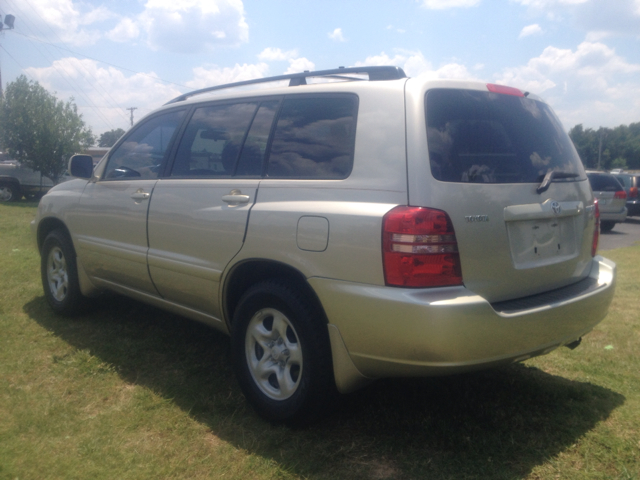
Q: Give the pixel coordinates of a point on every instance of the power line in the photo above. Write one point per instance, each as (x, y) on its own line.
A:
(64, 74)
(104, 62)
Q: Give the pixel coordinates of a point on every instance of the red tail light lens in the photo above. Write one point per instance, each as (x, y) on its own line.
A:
(419, 248)
(633, 192)
(620, 194)
(596, 231)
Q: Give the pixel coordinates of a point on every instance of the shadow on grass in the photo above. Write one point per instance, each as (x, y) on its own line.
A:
(495, 424)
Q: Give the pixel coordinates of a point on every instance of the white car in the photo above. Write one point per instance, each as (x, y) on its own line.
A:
(611, 196)
(365, 226)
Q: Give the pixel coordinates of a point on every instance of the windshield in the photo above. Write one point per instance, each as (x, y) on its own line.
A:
(485, 137)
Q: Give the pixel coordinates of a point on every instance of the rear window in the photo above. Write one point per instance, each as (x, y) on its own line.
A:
(601, 182)
(314, 138)
(485, 137)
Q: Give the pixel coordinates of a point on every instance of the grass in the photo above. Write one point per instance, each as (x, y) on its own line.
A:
(131, 392)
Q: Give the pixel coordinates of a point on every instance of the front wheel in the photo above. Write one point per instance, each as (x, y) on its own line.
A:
(281, 354)
(60, 275)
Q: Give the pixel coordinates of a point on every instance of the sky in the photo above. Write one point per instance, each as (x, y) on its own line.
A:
(581, 56)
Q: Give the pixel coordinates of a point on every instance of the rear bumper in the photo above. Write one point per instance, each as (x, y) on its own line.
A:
(633, 207)
(618, 217)
(391, 332)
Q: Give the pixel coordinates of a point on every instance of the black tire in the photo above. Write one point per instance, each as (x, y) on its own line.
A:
(286, 374)
(606, 225)
(9, 192)
(59, 273)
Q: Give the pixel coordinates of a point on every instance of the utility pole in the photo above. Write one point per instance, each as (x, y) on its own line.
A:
(9, 20)
(131, 109)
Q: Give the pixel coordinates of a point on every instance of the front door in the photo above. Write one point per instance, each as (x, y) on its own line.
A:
(111, 223)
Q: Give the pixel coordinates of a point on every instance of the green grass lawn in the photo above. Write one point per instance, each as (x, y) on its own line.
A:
(129, 391)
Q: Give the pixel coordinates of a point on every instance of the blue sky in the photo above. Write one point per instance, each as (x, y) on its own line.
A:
(582, 56)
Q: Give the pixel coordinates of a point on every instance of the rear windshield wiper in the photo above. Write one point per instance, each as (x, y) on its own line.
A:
(551, 176)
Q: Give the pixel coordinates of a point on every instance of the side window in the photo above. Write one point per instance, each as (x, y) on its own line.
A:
(314, 138)
(255, 146)
(212, 140)
(144, 149)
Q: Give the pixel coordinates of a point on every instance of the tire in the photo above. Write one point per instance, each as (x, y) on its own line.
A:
(281, 354)
(59, 273)
(9, 192)
(607, 225)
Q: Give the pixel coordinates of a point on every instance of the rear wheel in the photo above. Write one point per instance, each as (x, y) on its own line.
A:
(60, 275)
(606, 225)
(281, 354)
(9, 192)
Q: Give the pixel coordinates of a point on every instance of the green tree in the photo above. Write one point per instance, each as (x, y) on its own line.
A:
(40, 130)
(108, 139)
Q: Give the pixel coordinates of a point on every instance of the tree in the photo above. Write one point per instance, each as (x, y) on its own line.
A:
(107, 139)
(40, 130)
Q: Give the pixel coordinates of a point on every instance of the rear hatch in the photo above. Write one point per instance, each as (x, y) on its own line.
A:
(499, 163)
(609, 192)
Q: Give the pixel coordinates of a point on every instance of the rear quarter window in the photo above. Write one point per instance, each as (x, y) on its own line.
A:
(314, 138)
(485, 137)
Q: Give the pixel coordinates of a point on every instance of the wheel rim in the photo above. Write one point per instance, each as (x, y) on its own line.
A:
(274, 354)
(6, 194)
(57, 276)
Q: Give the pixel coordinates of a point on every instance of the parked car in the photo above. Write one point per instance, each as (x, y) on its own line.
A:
(611, 197)
(17, 181)
(340, 231)
(630, 181)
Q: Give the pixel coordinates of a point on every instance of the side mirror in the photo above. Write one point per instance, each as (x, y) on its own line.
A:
(81, 166)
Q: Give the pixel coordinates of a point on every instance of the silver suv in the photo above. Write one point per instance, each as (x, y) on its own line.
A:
(359, 226)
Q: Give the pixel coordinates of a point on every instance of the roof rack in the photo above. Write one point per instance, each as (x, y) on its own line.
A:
(378, 73)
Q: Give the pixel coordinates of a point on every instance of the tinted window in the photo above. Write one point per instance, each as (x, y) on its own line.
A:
(255, 146)
(603, 182)
(144, 149)
(211, 143)
(486, 137)
(314, 138)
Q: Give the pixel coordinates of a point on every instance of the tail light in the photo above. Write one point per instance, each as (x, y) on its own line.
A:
(633, 192)
(621, 194)
(419, 248)
(492, 87)
(596, 231)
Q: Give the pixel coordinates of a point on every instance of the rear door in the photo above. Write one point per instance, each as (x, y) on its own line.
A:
(199, 212)
(483, 157)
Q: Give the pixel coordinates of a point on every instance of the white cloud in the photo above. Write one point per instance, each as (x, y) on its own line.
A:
(414, 64)
(297, 65)
(60, 20)
(188, 26)
(444, 4)
(103, 94)
(599, 18)
(276, 54)
(591, 84)
(208, 77)
(124, 31)
(530, 30)
(337, 35)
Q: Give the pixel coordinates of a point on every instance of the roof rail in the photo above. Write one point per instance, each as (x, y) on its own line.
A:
(377, 73)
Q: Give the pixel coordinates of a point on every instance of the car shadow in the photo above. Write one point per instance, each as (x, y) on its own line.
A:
(494, 424)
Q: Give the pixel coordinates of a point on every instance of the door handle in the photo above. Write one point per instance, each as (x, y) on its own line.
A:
(235, 197)
(140, 195)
